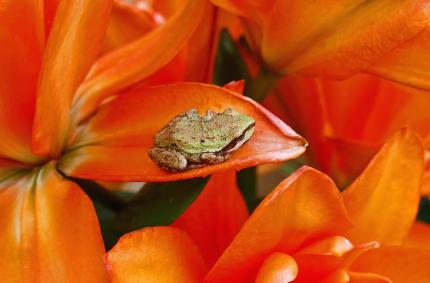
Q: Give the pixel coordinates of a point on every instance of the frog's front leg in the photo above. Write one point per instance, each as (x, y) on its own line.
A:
(168, 159)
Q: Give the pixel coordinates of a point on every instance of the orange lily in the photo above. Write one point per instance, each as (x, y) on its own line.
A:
(337, 39)
(54, 119)
(304, 231)
(346, 122)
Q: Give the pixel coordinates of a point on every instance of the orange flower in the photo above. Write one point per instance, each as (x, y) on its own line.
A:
(337, 39)
(54, 119)
(304, 231)
(346, 122)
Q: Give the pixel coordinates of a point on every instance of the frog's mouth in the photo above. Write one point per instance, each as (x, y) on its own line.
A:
(233, 145)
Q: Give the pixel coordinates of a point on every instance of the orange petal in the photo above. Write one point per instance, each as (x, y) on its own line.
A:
(277, 268)
(305, 206)
(301, 100)
(21, 47)
(425, 190)
(139, 59)
(9, 168)
(50, 8)
(348, 159)
(120, 134)
(350, 104)
(408, 62)
(320, 268)
(383, 201)
(236, 86)
(276, 106)
(195, 62)
(336, 245)
(50, 231)
(419, 236)
(338, 39)
(216, 216)
(362, 112)
(201, 47)
(72, 47)
(365, 108)
(400, 265)
(340, 276)
(328, 258)
(159, 254)
(256, 10)
(324, 259)
(164, 8)
(172, 72)
(131, 22)
(358, 277)
(127, 23)
(345, 122)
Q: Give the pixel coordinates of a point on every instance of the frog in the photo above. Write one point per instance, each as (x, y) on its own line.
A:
(190, 141)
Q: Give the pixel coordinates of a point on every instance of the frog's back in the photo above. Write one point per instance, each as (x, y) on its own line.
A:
(198, 135)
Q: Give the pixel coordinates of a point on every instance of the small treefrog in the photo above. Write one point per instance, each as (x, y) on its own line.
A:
(190, 141)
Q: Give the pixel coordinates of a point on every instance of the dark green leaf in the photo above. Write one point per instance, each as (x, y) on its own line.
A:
(292, 166)
(247, 183)
(159, 204)
(107, 219)
(424, 210)
(229, 65)
(101, 195)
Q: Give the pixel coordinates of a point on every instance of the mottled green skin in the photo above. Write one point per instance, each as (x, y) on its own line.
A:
(190, 141)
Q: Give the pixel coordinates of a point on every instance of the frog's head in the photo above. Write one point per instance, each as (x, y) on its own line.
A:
(240, 128)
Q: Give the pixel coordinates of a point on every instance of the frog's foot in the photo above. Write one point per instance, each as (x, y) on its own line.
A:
(168, 159)
(213, 158)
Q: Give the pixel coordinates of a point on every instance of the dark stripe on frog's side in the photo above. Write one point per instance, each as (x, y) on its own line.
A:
(232, 144)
